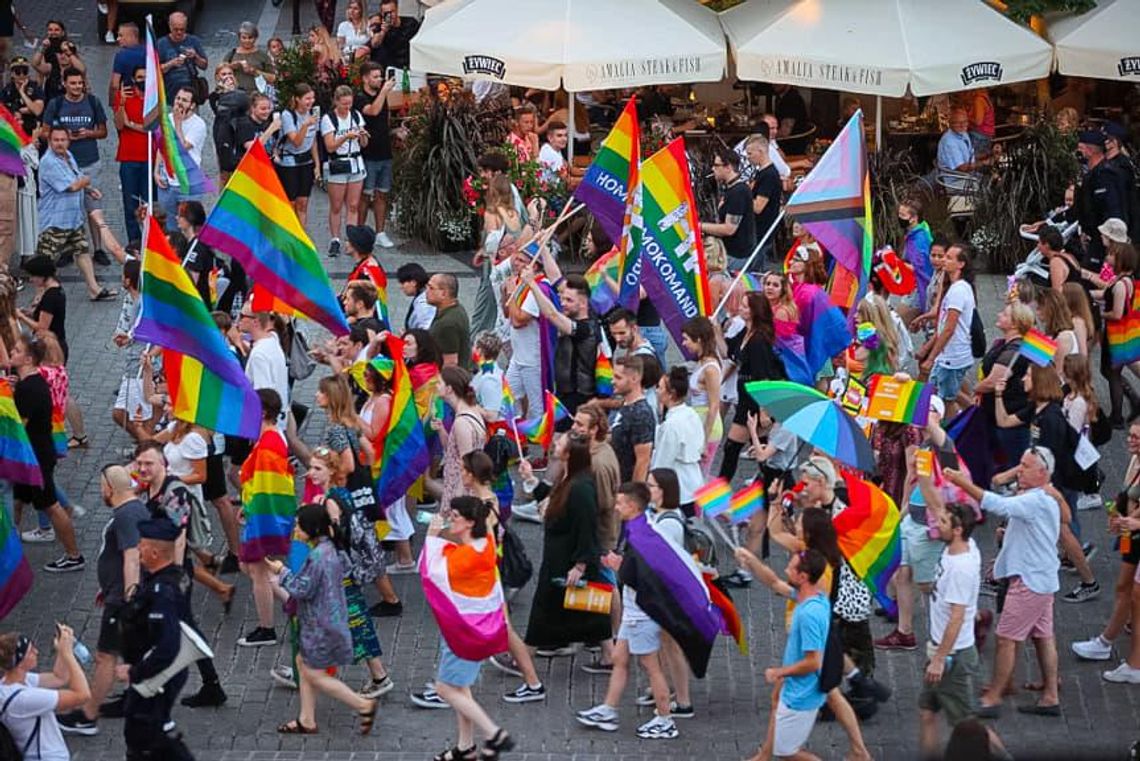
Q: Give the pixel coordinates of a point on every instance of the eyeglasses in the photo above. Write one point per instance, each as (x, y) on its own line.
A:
(322, 451)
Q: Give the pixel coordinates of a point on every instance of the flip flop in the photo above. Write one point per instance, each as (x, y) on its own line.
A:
(1036, 709)
(104, 295)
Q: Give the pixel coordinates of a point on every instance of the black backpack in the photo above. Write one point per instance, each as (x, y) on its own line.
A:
(500, 451)
(977, 335)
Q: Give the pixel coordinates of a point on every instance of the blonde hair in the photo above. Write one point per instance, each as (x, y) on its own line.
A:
(1054, 312)
(715, 255)
(1078, 303)
(338, 401)
(1022, 317)
(331, 461)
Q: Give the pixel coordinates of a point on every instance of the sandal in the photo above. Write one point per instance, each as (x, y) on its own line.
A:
(104, 295)
(457, 754)
(77, 442)
(368, 717)
(295, 727)
(500, 743)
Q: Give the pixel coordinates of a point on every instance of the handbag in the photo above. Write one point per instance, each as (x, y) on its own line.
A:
(1123, 349)
(361, 489)
(515, 568)
(595, 597)
(340, 166)
(301, 363)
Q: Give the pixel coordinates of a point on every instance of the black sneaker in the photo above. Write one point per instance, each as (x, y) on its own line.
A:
(429, 698)
(1083, 593)
(334, 247)
(678, 711)
(76, 723)
(737, 580)
(259, 637)
(112, 709)
(101, 257)
(526, 694)
(229, 564)
(385, 609)
(864, 686)
(209, 696)
(1089, 549)
(64, 564)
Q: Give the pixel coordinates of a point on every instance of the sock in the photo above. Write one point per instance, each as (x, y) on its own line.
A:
(732, 451)
(853, 675)
(1103, 641)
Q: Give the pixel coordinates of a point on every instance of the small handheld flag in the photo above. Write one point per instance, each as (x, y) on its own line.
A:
(746, 502)
(713, 498)
(604, 370)
(1038, 348)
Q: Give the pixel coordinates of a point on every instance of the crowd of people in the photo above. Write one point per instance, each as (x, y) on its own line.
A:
(1007, 441)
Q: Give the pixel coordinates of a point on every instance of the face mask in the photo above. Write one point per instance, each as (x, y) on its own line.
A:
(904, 221)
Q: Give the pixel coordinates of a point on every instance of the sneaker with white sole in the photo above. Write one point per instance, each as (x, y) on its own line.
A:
(259, 637)
(78, 511)
(1095, 649)
(65, 564)
(555, 652)
(1123, 674)
(374, 688)
(678, 711)
(383, 240)
(506, 663)
(109, 37)
(401, 569)
(646, 697)
(429, 698)
(1089, 502)
(76, 723)
(601, 717)
(527, 511)
(658, 728)
(283, 675)
(38, 536)
(1083, 592)
(526, 694)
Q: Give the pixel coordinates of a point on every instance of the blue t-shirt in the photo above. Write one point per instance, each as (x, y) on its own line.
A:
(127, 60)
(810, 622)
(87, 113)
(179, 76)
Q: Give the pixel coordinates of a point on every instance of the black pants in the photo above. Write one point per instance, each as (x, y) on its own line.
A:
(144, 719)
(858, 644)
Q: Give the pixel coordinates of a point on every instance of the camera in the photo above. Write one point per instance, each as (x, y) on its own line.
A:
(375, 28)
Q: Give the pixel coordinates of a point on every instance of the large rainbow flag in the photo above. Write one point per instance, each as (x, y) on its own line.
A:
(269, 499)
(15, 573)
(13, 139)
(673, 269)
(254, 223)
(868, 531)
(206, 383)
(180, 165)
(402, 446)
(17, 458)
(834, 204)
(605, 188)
(462, 588)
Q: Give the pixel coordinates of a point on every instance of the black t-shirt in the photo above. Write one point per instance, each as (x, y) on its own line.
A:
(633, 424)
(54, 302)
(379, 146)
(120, 534)
(249, 130)
(737, 202)
(200, 262)
(396, 47)
(33, 401)
(575, 355)
(13, 102)
(647, 314)
(1014, 397)
(766, 183)
(791, 105)
(1050, 428)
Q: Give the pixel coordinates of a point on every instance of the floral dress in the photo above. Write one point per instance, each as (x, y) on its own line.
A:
(362, 559)
(322, 612)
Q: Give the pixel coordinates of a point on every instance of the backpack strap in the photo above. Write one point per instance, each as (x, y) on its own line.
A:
(34, 737)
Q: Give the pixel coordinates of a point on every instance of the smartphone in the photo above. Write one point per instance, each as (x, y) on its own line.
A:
(317, 112)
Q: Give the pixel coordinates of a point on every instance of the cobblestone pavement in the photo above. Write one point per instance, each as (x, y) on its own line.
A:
(1100, 720)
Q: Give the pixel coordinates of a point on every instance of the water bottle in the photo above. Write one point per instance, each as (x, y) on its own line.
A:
(82, 654)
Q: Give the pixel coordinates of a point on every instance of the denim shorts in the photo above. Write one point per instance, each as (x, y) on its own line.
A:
(379, 176)
(948, 381)
(643, 635)
(456, 671)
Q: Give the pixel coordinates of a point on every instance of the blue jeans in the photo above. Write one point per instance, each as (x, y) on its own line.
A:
(658, 338)
(1072, 496)
(168, 199)
(134, 179)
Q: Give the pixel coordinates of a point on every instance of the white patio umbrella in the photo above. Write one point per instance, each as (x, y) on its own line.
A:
(578, 44)
(1101, 43)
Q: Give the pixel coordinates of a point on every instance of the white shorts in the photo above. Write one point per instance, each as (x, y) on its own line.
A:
(131, 398)
(400, 524)
(526, 382)
(643, 635)
(792, 730)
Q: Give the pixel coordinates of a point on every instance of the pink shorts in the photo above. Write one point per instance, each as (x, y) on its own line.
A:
(1026, 613)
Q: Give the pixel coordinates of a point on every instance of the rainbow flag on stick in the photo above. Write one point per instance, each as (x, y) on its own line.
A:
(604, 369)
(713, 498)
(17, 458)
(15, 573)
(207, 384)
(13, 139)
(180, 165)
(261, 300)
(605, 188)
(1038, 348)
(269, 499)
(402, 446)
(602, 296)
(540, 430)
(746, 502)
(254, 223)
(673, 269)
(869, 537)
(733, 626)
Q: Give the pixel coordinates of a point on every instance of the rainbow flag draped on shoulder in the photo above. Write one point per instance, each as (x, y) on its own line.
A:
(254, 223)
(868, 531)
(606, 187)
(207, 384)
(402, 447)
(17, 458)
(13, 139)
(180, 165)
(672, 263)
(834, 204)
(269, 499)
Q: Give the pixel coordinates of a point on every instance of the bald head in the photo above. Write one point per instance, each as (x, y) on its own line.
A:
(116, 485)
(178, 23)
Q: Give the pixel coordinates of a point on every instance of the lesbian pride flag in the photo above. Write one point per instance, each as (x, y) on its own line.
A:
(462, 588)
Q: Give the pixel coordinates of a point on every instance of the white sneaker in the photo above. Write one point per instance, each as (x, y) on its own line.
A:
(283, 675)
(39, 536)
(1123, 674)
(600, 717)
(1094, 649)
(1089, 502)
(383, 240)
(527, 511)
(103, 9)
(78, 511)
(109, 37)
(658, 728)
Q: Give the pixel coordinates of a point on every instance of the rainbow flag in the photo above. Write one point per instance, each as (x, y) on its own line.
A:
(261, 300)
(1123, 335)
(13, 139)
(899, 401)
(752, 282)
(1038, 348)
(59, 431)
(508, 407)
(269, 499)
(834, 204)
(746, 502)
(15, 573)
(254, 223)
(713, 498)
(602, 296)
(401, 446)
(18, 460)
(180, 165)
(611, 176)
(206, 383)
(540, 430)
(604, 370)
(673, 270)
(868, 531)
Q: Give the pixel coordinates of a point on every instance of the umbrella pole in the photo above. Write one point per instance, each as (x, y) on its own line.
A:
(878, 123)
(570, 124)
(748, 263)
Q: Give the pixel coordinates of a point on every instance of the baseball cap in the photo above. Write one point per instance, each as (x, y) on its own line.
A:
(1114, 229)
(1116, 132)
(1091, 137)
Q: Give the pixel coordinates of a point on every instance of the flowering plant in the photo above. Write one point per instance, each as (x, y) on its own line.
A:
(527, 177)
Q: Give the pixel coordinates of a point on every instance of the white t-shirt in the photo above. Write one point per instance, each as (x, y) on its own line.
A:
(525, 341)
(551, 162)
(266, 368)
(956, 354)
(956, 582)
(179, 457)
(333, 124)
(194, 132)
(488, 388)
(20, 718)
(352, 38)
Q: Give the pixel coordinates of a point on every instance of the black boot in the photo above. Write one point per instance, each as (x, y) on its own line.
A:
(210, 695)
(863, 686)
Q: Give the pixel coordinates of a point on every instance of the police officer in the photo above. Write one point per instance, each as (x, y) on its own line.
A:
(1099, 197)
(152, 637)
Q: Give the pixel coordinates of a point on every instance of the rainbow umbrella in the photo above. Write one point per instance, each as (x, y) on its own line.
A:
(816, 419)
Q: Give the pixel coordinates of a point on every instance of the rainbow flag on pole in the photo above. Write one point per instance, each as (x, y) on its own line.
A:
(540, 430)
(269, 499)
(207, 384)
(606, 187)
(254, 223)
(13, 139)
(15, 573)
(673, 270)
(180, 165)
(868, 531)
(746, 502)
(1038, 348)
(17, 458)
(834, 204)
(402, 447)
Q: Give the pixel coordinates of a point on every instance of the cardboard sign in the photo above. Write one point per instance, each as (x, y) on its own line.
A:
(899, 401)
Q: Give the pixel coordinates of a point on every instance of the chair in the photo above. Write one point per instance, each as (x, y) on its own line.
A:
(797, 143)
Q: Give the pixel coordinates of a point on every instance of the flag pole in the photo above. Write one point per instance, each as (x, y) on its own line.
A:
(715, 525)
(744, 269)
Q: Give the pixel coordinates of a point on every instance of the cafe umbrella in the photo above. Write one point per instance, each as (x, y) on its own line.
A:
(816, 419)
